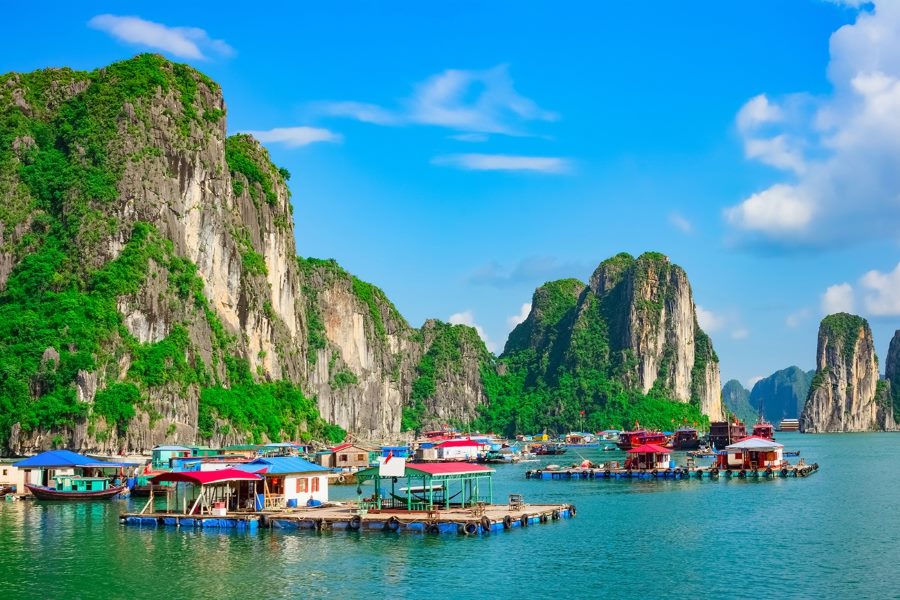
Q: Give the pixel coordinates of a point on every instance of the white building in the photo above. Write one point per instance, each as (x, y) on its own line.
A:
(458, 450)
(289, 480)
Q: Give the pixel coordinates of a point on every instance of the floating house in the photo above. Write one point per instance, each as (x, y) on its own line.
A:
(648, 457)
(465, 449)
(289, 481)
(424, 487)
(246, 450)
(214, 493)
(752, 453)
(163, 455)
(347, 457)
(12, 478)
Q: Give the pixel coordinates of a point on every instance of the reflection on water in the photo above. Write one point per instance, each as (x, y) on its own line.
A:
(830, 535)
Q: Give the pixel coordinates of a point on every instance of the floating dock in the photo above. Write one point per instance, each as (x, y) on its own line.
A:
(241, 522)
(676, 473)
(460, 521)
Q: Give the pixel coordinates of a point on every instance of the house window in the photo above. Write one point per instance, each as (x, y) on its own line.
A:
(342, 458)
(5, 472)
(315, 484)
(360, 457)
(301, 485)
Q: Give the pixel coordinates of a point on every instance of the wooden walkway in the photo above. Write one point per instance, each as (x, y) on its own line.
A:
(462, 521)
(677, 473)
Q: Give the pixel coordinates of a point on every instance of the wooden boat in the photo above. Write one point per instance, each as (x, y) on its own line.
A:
(640, 437)
(763, 430)
(686, 438)
(6, 490)
(549, 450)
(723, 433)
(45, 493)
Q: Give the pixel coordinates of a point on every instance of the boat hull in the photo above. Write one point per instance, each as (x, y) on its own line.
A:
(44, 493)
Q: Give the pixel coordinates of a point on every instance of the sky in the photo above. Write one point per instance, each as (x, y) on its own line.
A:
(458, 155)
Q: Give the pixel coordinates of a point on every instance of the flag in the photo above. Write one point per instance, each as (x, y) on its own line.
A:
(581, 412)
(389, 456)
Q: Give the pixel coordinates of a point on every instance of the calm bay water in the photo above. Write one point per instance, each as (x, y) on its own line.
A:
(833, 534)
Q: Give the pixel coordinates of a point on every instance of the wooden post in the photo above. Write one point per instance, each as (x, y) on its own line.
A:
(197, 501)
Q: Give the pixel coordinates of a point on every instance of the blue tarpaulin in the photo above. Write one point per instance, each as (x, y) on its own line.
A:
(60, 459)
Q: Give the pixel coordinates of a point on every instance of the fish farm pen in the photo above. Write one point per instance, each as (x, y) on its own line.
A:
(676, 473)
(467, 521)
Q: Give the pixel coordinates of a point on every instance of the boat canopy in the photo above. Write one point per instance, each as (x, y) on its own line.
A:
(207, 477)
(754, 443)
(65, 459)
(649, 449)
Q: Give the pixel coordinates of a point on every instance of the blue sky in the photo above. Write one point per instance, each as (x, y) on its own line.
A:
(458, 155)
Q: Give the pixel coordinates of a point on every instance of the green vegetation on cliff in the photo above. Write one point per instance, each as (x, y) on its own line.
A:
(845, 330)
(567, 367)
(736, 399)
(61, 160)
(448, 343)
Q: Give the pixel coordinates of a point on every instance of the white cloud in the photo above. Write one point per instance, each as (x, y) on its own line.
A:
(293, 137)
(360, 111)
(505, 162)
(183, 42)
(883, 297)
(779, 209)
(753, 381)
(468, 318)
(838, 298)
(839, 151)
(680, 223)
(740, 333)
(756, 112)
(709, 321)
(514, 320)
(470, 137)
(469, 101)
(795, 318)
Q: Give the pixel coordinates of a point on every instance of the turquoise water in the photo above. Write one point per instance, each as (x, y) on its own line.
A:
(833, 534)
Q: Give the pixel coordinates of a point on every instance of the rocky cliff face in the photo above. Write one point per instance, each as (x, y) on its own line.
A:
(653, 331)
(631, 331)
(152, 261)
(735, 398)
(782, 394)
(846, 393)
(371, 372)
(892, 372)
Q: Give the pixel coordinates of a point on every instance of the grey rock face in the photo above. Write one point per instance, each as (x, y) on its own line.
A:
(846, 393)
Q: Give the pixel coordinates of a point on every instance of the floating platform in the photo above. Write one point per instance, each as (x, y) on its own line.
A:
(464, 521)
(458, 521)
(241, 522)
(677, 473)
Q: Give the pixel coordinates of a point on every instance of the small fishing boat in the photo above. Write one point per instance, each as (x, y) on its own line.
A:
(5, 490)
(76, 487)
(550, 449)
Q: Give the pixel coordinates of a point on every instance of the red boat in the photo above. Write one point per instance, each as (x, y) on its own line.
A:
(686, 438)
(45, 493)
(639, 437)
(763, 430)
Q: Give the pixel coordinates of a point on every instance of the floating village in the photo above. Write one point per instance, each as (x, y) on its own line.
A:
(440, 483)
